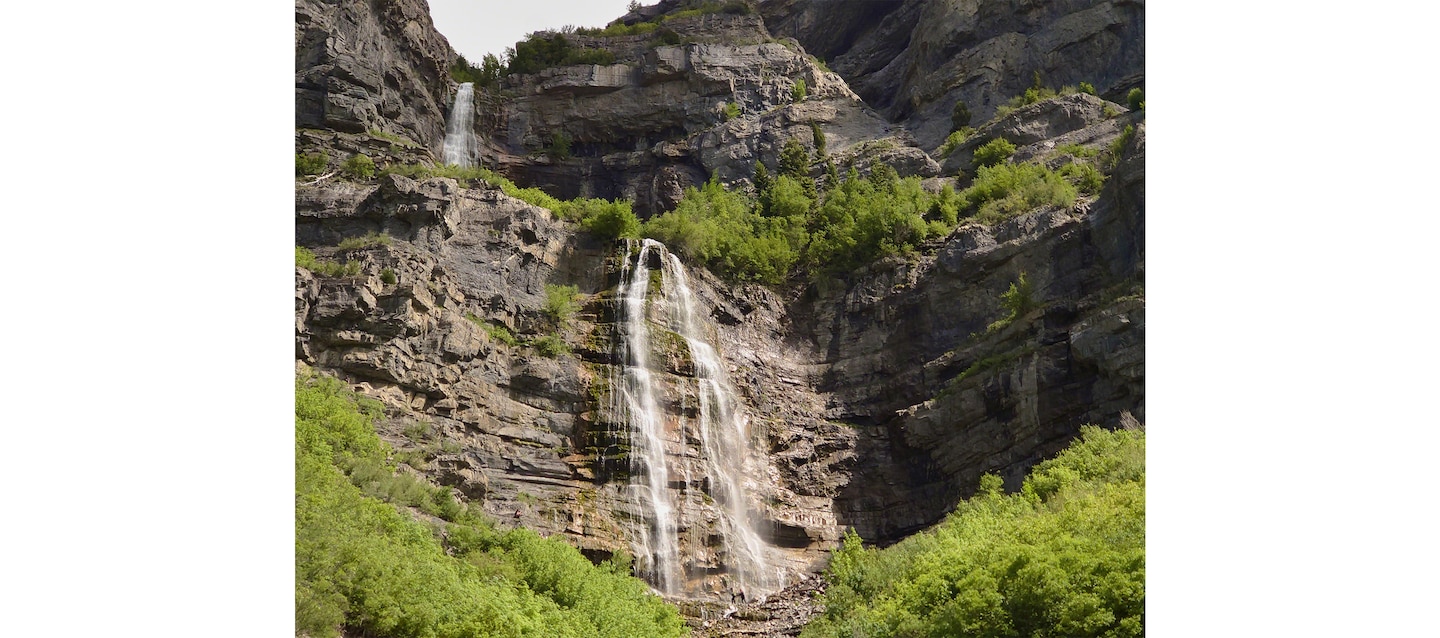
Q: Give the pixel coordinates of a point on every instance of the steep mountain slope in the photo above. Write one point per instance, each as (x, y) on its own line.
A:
(878, 397)
(913, 59)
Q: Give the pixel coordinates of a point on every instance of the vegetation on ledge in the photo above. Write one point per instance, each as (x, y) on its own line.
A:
(365, 564)
(1064, 557)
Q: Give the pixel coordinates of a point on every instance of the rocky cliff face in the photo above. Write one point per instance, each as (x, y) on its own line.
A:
(371, 65)
(655, 122)
(878, 398)
(914, 59)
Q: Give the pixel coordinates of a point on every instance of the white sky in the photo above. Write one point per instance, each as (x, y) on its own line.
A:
(477, 27)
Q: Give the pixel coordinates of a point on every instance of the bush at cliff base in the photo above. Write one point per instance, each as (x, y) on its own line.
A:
(369, 566)
(1064, 557)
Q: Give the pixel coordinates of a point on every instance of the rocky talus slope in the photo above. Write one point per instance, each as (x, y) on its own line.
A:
(880, 397)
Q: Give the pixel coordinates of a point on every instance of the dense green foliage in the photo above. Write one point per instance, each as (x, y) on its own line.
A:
(853, 221)
(1005, 190)
(725, 231)
(359, 166)
(310, 164)
(1087, 88)
(544, 50)
(818, 135)
(994, 152)
(487, 74)
(1064, 557)
(607, 219)
(797, 92)
(369, 566)
(1135, 99)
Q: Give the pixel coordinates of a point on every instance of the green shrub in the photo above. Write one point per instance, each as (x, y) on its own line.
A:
(797, 92)
(732, 111)
(1135, 99)
(359, 166)
(614, 220)
(551, 346)
(959, 116)
(667, 36)
(1064, 557)
(310, 164)
(487, 74)
(559, 148)
(818, 136)
(1084, 176)
(1118, 145)
(994, 152)
(1087, 88)
(725, 231)
(388, 276)
(307, 260)
(496, 331)
(1005, 190)
(561, 303)
(954, 140)
(368, 240)
(304, 258)
(1078, 150)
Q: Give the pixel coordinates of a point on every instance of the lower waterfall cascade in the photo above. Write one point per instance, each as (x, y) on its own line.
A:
(710, 454)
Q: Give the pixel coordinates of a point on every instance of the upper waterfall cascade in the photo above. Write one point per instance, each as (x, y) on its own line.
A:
(705, 452)
(459, 128)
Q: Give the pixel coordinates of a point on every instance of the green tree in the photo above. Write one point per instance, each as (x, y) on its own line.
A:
(1135, 99)
(797, 92)
(959, 116)
(819, 137)
(1019, 298)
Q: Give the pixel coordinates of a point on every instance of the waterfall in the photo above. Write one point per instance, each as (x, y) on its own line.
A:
(459, 129)
(659, 546)
(725, 444)
(717, 505)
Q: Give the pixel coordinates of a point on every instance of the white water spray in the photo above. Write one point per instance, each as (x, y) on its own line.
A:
(723, 431)
(659, 551)
(460, 145)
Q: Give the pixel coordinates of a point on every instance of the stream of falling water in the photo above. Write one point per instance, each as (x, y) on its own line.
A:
(720, 427)
(459, 146)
